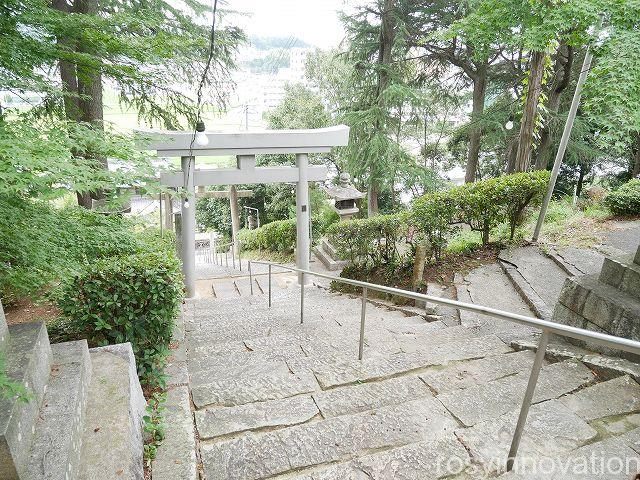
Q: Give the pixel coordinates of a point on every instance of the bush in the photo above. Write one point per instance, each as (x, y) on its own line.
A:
(372, 241)
(131, 298)
(516, 192)
(40, 244)
(626, 199)
(479, 206)
(432, 215)
(277, 236)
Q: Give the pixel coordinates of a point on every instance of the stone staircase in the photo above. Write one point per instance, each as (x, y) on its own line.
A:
(83, 416)
(327, 254)
(607, 302)
(256, 394)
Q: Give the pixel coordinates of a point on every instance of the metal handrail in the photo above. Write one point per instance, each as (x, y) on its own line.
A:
(215, 247)
(546, 326)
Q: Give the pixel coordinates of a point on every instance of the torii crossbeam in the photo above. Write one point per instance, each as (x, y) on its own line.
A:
(245, 146)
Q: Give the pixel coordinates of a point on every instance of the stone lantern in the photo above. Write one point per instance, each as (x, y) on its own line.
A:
(345, 196)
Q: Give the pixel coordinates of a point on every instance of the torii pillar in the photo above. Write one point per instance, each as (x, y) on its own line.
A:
(245, 146)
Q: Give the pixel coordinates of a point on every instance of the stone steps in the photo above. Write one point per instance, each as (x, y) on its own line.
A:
(112, 431)
(623, 274)
(28, 358)
(55, 450)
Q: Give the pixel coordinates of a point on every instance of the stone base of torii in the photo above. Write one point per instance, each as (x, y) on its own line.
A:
(244, 146)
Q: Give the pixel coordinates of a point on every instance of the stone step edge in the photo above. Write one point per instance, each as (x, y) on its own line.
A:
(526, 292)
(61, 418)
(606, 366)
(18, 419)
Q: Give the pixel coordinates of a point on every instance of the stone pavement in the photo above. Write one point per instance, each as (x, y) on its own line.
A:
(256, 394)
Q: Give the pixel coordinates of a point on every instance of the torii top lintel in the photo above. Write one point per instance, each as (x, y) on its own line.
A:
(176, 144)
(245, 146)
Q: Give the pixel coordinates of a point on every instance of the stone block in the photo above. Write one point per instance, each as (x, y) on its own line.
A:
(566, 316)
(573, 295)
(232, 391)
(492, 399)
(257, 456)
(613, 397)
(112, 435)
(55, 449)
(216, 422)
(611, 367)
(551, 430)
(4, 330)
(368, 396)
(475, 372)
(176, 456)
(28, 360)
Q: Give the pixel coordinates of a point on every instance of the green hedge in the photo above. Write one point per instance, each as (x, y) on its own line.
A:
(433, 215)
(373, 241)
(279, 236)
(132, 298)
(626, 199)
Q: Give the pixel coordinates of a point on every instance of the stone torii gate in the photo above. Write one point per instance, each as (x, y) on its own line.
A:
(245, 146)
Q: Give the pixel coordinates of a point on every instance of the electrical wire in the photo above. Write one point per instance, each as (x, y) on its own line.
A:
(203, 78)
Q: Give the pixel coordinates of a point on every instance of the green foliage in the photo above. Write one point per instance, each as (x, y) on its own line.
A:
(279, 236)
(370, 241)
(270, 63)
(132, 298)
(626, 199)
(464, 241)
(10, 388)
(516, 192)
(40, 243)
(154, 426)
(433, 215)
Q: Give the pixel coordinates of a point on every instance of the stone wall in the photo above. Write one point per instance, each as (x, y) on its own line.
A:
(607, 303)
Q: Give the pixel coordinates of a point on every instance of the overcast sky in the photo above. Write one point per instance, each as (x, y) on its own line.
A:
(314, 21)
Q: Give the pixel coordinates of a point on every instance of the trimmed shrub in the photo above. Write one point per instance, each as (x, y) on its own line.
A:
(518, 191)
(432, 215)
(372, 241)
(277, 236)
(626, 199)
(132, 298)
(479, 206)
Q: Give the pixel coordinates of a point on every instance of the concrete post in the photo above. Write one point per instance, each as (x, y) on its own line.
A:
(235, 216)
(302, 215)
(189, 227)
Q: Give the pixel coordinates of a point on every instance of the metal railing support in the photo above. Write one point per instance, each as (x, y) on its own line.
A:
(363, 314)
(250, 278)
(226, 259)
(233, 258)
(269, 285)
(301, 297)
(528, 398)
(239, 259)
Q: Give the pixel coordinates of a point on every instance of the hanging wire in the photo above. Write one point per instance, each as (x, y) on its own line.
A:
(203, 79)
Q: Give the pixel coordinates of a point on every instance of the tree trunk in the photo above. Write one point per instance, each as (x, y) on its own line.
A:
(387, 37)
(510, 154)
(68, 75)
(581, 174)
(528, 123)
(372, 199)
(635, 168)
(562, 77)
(418, 266)
(475, 135)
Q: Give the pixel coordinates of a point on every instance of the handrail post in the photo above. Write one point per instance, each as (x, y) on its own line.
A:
(269, 285)
(301, 297)
(239, 259)
(363, 314)
(233, 255)
(226, 259)
(528, 398)
(250, 278)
